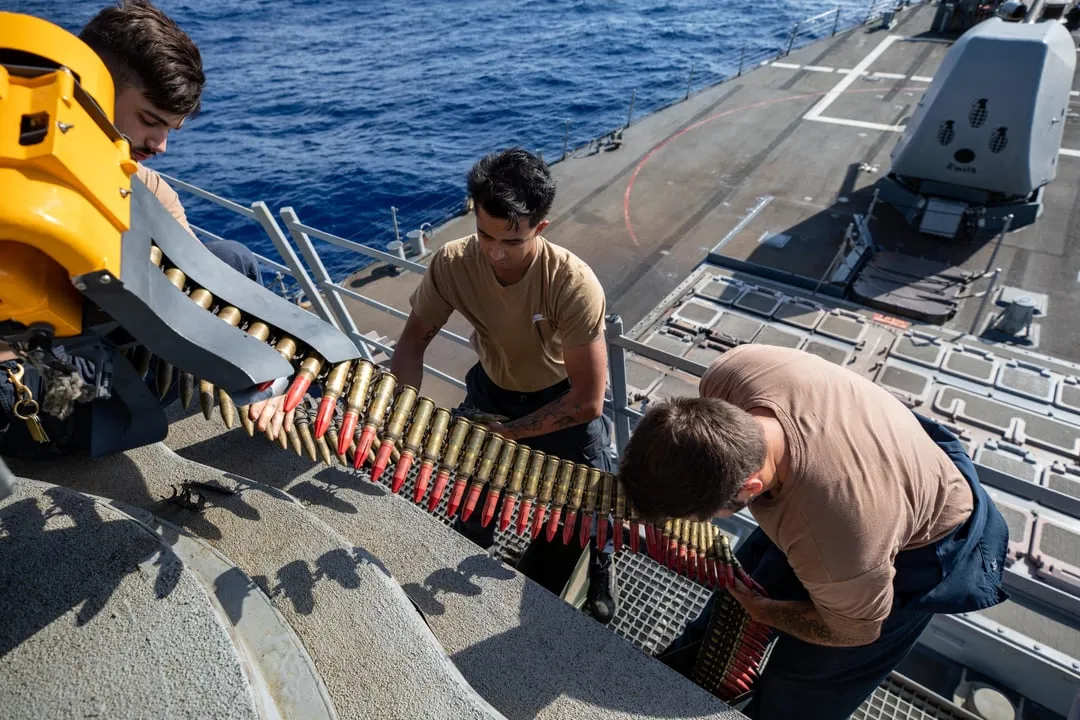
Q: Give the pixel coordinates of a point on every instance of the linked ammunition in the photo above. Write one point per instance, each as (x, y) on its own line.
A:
(380, 401)
(324, 451)
(602, 510)
(206, 398)
(227, 408)
(513, 491)
(465, 469)
(684, 542)
(692, 550)
(619, 511)
(332, 438)
(543, 497)
(528, 494)
(592, 489)
(671, 542)
(432, 450)
(186, 388)
(310, 367)
(577, 492)
(502, 473)
(403, 405)
(332, 389)
(448, 462)
(355, 403)
(562, 490)
(140, 358)
(635, 526)
(483, 475)
(421, 417)
(294, 440)
(302, 423)
(155, 256)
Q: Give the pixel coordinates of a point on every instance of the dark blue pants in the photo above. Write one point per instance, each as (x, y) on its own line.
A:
(72, 433)
(548, 563)
(959, 573)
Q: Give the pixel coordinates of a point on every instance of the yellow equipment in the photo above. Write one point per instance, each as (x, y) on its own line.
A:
(91, 263)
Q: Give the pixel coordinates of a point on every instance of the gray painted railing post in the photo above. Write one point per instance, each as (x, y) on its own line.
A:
(791, 40)
(689, 82)
(982, 306)
(742, 59)
(617, 366)
(1001, 239)
(288, 254)
(836, 22)
(566, 140)
(307, 248)
(397, 230)
(630, 112)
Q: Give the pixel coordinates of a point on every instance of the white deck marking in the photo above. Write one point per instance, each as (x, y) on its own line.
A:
(1069, 153)
(851, 77)
(889, 76)
(856, 123)
(786, 66)
(817, 68)
(922, 79)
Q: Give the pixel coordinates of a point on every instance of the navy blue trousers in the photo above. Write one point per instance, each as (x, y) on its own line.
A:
(959, 573)
(548, 563)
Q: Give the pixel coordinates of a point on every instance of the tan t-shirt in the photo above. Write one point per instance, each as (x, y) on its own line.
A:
(865, 480)
(165, 194)
(519, 331)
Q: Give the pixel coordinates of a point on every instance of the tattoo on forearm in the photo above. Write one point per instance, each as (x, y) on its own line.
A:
(557, 415)
(804, 622)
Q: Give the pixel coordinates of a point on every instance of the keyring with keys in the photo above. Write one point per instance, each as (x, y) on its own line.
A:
(26, 407)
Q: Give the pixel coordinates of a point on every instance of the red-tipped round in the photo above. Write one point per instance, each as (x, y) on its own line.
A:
(523, 517)
(553, 524)
(363, 446)
(300, 385)
(713, 577)
(538, 520)
(650, 540)
(381, 460)
(691, 564)
(455, 497)
(436, 492)
(401, 472)
(601, 532)
(489, 508)
(617, 535)
(507, 512)
(681, 563)
(568, 527)
(672, 554)
(635, 531)
(472, 499)
(348, 428)
(702, 569)
(326, 414)
(586, 530)
(422, 478)
(729, 572)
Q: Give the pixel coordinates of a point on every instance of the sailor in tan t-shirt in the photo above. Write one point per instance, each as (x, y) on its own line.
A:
(537, 313)
(871, 519)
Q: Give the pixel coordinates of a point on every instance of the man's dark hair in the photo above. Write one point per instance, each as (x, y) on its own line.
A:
(689, 457)
(143, 48)
(512, 184)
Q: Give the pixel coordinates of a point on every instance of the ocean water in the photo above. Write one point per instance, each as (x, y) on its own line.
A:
(345, 108)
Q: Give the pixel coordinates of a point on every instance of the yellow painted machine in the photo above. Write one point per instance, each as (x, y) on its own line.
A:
(91, 263)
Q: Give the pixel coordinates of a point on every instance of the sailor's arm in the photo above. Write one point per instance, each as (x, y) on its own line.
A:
(848, 613)
(586, 367)
(407, 363)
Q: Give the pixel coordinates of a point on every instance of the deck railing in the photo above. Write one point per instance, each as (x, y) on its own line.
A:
(301, 262)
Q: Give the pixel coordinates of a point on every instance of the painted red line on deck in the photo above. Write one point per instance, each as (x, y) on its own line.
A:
(726, 113)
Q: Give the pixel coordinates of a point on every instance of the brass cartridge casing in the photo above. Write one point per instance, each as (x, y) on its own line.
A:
(577, 490)
(439, 424)
(547, 484)
(506, 460)
(421, 418)
(449, 459)
(472, 451)
(562, 485)
(490, 457)
(521, 466)
(403, 405)
(532, 476)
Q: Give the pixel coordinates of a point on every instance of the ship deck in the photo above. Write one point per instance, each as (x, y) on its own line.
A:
(760, 177)
(766, 171)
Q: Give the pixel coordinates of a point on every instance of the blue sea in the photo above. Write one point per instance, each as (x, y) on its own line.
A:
(343, 109)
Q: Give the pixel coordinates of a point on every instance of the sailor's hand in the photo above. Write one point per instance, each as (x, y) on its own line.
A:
(268, 414)
(749, 599)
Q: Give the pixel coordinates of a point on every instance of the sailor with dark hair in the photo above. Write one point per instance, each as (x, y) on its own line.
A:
(158, 81)
(871, 519)
(538, 317)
